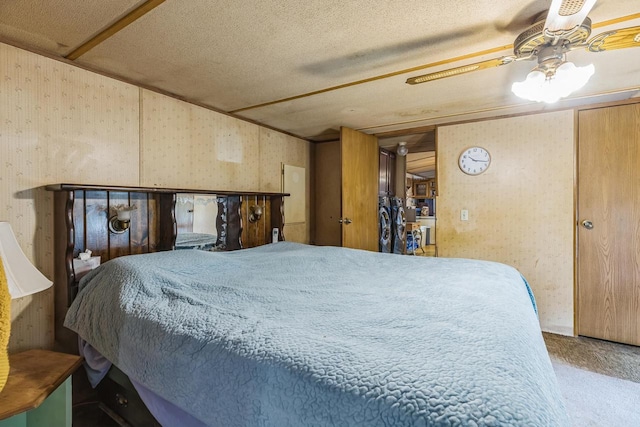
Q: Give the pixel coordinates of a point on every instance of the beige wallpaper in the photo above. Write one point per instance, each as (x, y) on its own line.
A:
(186, 146)
(59, 123)
(520, 209)
(277, 149)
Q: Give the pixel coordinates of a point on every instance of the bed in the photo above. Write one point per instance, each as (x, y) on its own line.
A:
(287, 334)
(200, 241)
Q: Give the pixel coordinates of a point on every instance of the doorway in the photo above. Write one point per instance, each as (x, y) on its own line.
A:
(346, 185)
(416, 180)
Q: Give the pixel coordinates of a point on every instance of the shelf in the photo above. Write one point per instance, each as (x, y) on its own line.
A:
(90, 187)
(34, 375)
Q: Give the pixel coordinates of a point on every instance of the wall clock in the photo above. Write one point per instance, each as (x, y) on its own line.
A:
(474, 160)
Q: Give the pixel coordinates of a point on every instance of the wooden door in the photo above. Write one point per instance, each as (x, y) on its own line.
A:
(383, 173)
(328, 209)
(359, 157)
(387, 174)
(609, 197)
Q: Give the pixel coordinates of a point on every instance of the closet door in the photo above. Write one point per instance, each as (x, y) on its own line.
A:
(609, 223)
(359, 158)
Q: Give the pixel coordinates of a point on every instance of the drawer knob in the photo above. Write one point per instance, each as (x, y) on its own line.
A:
(121, 400)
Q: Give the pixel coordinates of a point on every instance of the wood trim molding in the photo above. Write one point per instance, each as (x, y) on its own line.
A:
(416, 68)
(608, 104)
(404, 132)
(380, 77)
(121, 23)
(496, 110)
(616, 20)
(141, 85)
(91, 187)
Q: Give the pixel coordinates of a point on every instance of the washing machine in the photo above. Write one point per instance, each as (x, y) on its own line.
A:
(384, 224)
(398, 226)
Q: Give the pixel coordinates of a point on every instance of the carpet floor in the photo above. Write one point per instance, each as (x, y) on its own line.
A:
(596, 400)
(599, 380)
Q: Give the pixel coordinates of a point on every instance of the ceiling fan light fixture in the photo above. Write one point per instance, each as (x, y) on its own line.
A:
(557, 82)
(402, 149)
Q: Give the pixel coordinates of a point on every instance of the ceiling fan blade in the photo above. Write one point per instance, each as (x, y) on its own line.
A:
(565, 15)
(615, 39)
(496, 62)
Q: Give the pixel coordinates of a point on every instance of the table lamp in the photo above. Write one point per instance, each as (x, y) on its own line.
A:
(18, 278)
(22, 277)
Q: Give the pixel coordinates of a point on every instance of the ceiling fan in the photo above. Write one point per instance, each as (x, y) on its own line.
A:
(565, 28)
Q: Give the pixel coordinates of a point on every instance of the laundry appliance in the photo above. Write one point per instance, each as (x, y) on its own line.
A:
(384, 224)
(398, 226)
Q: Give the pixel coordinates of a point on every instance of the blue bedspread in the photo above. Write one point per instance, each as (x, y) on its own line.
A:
(201, 241)
(294, 335)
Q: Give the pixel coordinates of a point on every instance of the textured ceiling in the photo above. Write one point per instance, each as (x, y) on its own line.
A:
(309, 67)
(58, 26)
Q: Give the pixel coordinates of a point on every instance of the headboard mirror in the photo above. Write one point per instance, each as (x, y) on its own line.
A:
(196, 219)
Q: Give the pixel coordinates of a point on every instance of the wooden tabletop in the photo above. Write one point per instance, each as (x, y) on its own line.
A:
(34, 375)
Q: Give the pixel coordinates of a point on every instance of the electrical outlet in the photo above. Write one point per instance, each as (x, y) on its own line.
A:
(464, 215)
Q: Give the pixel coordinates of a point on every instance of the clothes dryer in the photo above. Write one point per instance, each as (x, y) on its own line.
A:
(384, 224)
(398, 227)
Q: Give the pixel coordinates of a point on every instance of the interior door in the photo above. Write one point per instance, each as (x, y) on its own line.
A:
(609, 223)
(328, 204)
(359, 157)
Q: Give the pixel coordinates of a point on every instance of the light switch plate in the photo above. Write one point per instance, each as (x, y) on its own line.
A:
(464, 215)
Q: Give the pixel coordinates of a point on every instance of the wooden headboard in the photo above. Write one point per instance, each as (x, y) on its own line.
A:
(82, 212)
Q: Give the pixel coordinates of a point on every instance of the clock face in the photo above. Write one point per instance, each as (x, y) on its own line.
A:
(474, 160)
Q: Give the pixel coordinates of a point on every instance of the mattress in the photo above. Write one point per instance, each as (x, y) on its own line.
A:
(295, 335)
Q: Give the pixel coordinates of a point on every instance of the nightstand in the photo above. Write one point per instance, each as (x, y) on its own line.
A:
(38, 390)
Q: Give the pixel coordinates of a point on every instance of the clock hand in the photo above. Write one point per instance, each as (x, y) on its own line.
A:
(471, 158)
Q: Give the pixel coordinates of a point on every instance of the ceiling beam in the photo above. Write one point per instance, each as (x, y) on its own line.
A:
(413, 69)
(380, 77)
(121, 23)
(421, 163)
(403, 132)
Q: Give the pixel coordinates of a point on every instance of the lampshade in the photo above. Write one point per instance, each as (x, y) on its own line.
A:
(556, 83)
(23, 278)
